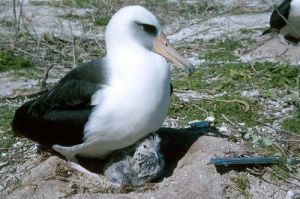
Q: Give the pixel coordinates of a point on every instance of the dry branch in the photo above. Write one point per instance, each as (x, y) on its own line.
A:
(45, 77)
(26, 95)
(246, 105)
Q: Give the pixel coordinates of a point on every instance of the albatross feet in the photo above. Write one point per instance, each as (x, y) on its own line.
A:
(283, 40)
(83, 170)
(286, 40)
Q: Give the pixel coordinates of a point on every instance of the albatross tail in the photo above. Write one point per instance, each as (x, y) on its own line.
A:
(23, 124)
(54, 126)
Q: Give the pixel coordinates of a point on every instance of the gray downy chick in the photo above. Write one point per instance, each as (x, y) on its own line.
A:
(144, 165)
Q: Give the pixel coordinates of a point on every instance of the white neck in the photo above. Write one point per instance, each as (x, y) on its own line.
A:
(295, 8)
(128, 59)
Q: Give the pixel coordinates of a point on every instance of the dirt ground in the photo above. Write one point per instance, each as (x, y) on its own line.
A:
(192, 26)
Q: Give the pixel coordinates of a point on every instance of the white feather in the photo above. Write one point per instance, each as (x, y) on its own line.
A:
(136, 99)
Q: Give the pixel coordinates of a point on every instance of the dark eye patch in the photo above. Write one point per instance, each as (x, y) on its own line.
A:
(150, 29)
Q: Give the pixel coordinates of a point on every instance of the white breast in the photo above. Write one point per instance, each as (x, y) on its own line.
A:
(131, 106)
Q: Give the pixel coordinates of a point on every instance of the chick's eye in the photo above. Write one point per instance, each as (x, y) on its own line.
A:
(149, 29)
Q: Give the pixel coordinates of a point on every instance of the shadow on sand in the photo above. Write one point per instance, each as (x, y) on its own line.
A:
(174, 145)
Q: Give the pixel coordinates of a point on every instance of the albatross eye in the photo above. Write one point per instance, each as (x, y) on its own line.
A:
(152, 30)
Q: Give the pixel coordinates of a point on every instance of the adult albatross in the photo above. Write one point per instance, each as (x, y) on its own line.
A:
(108, 103)
(286, 20)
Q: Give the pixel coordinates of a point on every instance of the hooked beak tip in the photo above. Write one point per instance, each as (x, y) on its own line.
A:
(163, 47)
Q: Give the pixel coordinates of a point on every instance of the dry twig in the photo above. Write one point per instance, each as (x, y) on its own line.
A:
(45, 77)
(26, 95)
(246, 105)
(198, 107)
(282, 178)
(73, 46)
(228, 120)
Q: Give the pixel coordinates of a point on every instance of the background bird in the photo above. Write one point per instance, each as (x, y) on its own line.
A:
(285, 19)
(108, 103)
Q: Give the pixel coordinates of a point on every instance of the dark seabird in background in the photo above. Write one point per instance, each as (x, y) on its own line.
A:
(109, 103)
(285, 19)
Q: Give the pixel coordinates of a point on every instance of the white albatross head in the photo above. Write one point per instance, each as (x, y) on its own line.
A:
(136, 26)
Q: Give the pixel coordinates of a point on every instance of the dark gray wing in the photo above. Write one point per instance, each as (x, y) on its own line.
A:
(280, 15)
(59, 116)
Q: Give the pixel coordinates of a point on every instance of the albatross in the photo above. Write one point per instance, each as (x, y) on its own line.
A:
(111, 102)
(286, 20)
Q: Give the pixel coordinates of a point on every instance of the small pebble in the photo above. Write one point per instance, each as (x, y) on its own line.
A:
(17, 145)
(3, 154)
(289, 195)
(210, 119)
(3, 164)
(223, 129)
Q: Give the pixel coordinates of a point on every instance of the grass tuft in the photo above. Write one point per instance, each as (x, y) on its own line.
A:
(292, 124)
(242, 183)
(217, 107)
(8, 61)
(6, 136)
(102, 21)
(222, 50)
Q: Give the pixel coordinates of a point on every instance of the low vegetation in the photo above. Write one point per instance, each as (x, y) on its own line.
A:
(242, 183)
(6, 136)
(10, 61)
(225, 86)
